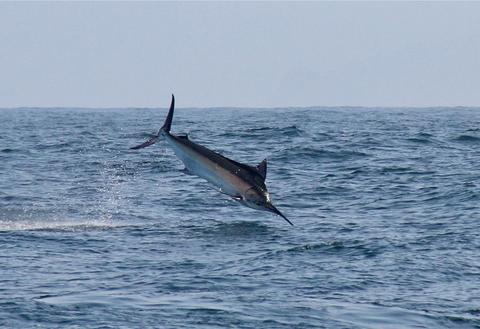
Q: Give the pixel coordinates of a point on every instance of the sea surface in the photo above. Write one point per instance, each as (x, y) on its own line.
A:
(385, 202)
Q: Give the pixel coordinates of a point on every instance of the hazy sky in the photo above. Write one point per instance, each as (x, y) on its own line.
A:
(239, 54)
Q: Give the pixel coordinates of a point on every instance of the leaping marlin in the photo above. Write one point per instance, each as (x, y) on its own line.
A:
(243, 183)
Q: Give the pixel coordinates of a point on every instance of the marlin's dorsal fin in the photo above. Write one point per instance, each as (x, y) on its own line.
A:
(262, 168)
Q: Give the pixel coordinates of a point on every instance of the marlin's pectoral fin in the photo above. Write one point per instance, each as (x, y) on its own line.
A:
(234, 197)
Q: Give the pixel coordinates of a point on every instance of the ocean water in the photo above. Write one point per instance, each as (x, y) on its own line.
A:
(385, 202)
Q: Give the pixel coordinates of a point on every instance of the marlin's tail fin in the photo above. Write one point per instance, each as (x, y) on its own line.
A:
(168, 121)
(166, 127)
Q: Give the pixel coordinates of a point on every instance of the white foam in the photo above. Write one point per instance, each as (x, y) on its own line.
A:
(66, 225)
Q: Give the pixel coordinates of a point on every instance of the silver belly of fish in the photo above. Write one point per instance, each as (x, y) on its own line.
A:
(203, 167)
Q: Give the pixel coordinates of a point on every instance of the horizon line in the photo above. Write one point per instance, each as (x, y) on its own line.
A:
(236, 107)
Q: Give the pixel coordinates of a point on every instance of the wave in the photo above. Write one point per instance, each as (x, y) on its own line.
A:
(377, 315)
(58, 145)
(349, 247)
(467, 139)
(9, 150)
(289, 131)
(419, 140)
(424, 135)
(313, 153)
